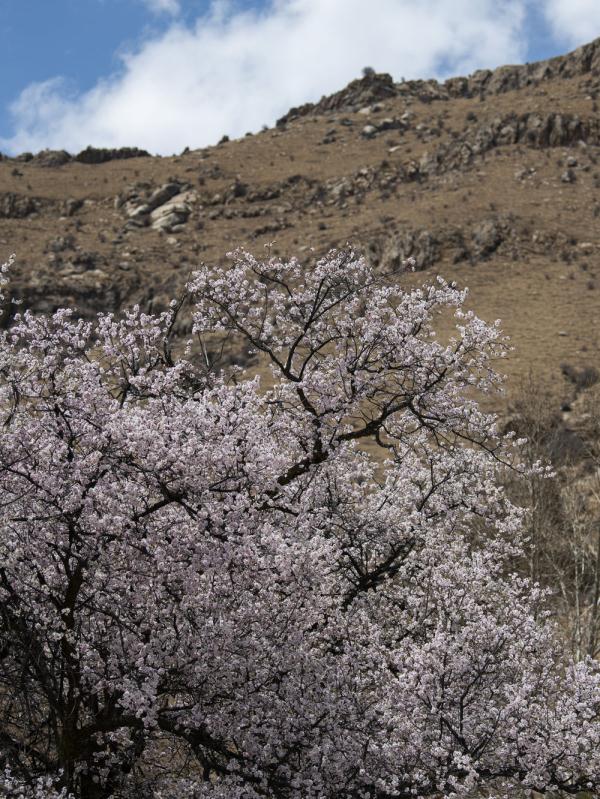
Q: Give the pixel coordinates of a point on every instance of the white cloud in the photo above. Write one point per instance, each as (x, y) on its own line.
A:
(235, 70)
(163, 6)
(574, 22)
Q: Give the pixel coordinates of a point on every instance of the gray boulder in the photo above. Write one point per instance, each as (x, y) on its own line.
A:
(170, 215)
(181, 209)
(138, 214)
(168, 222)
(51, 158)
(72, 206)
(163, 195)
(487, 237)
(16, 206)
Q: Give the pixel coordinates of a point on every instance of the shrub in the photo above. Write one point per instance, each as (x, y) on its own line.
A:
(583, 378)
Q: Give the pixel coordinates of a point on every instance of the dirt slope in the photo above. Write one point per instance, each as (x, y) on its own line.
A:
(492, 181)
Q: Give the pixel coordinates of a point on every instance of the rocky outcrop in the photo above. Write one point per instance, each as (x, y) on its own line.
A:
(79, 279)
(372, 88)
(377, 87)
(585, 60)
(51, 158)
(60, 244)
(16, 206)
(487, 237)
(91, 155)
(240, 200)
(550, 130)
(170, 216)
(532, 130)
(166, 208)
(430, 246)
(72, 205)
(100, 155)
(424, 246)
(501, 234)
(163, 194)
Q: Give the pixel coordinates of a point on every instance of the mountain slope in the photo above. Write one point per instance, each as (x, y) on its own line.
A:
(491, 180)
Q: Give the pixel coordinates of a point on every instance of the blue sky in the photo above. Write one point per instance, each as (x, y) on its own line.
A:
(164, 74)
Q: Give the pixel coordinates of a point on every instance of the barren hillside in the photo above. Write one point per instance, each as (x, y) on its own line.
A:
(492, 181)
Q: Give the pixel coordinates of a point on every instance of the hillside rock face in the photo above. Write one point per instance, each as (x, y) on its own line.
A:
(16, 206)
(91, 155)
(373, 88)
(358, 94)
(166, 208)
(492, 180)
(100, 155)
(431, 246)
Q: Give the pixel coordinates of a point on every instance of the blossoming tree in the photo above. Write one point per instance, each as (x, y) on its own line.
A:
(210, 588)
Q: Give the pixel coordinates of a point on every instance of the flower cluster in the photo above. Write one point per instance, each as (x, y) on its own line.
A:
(226, 589)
